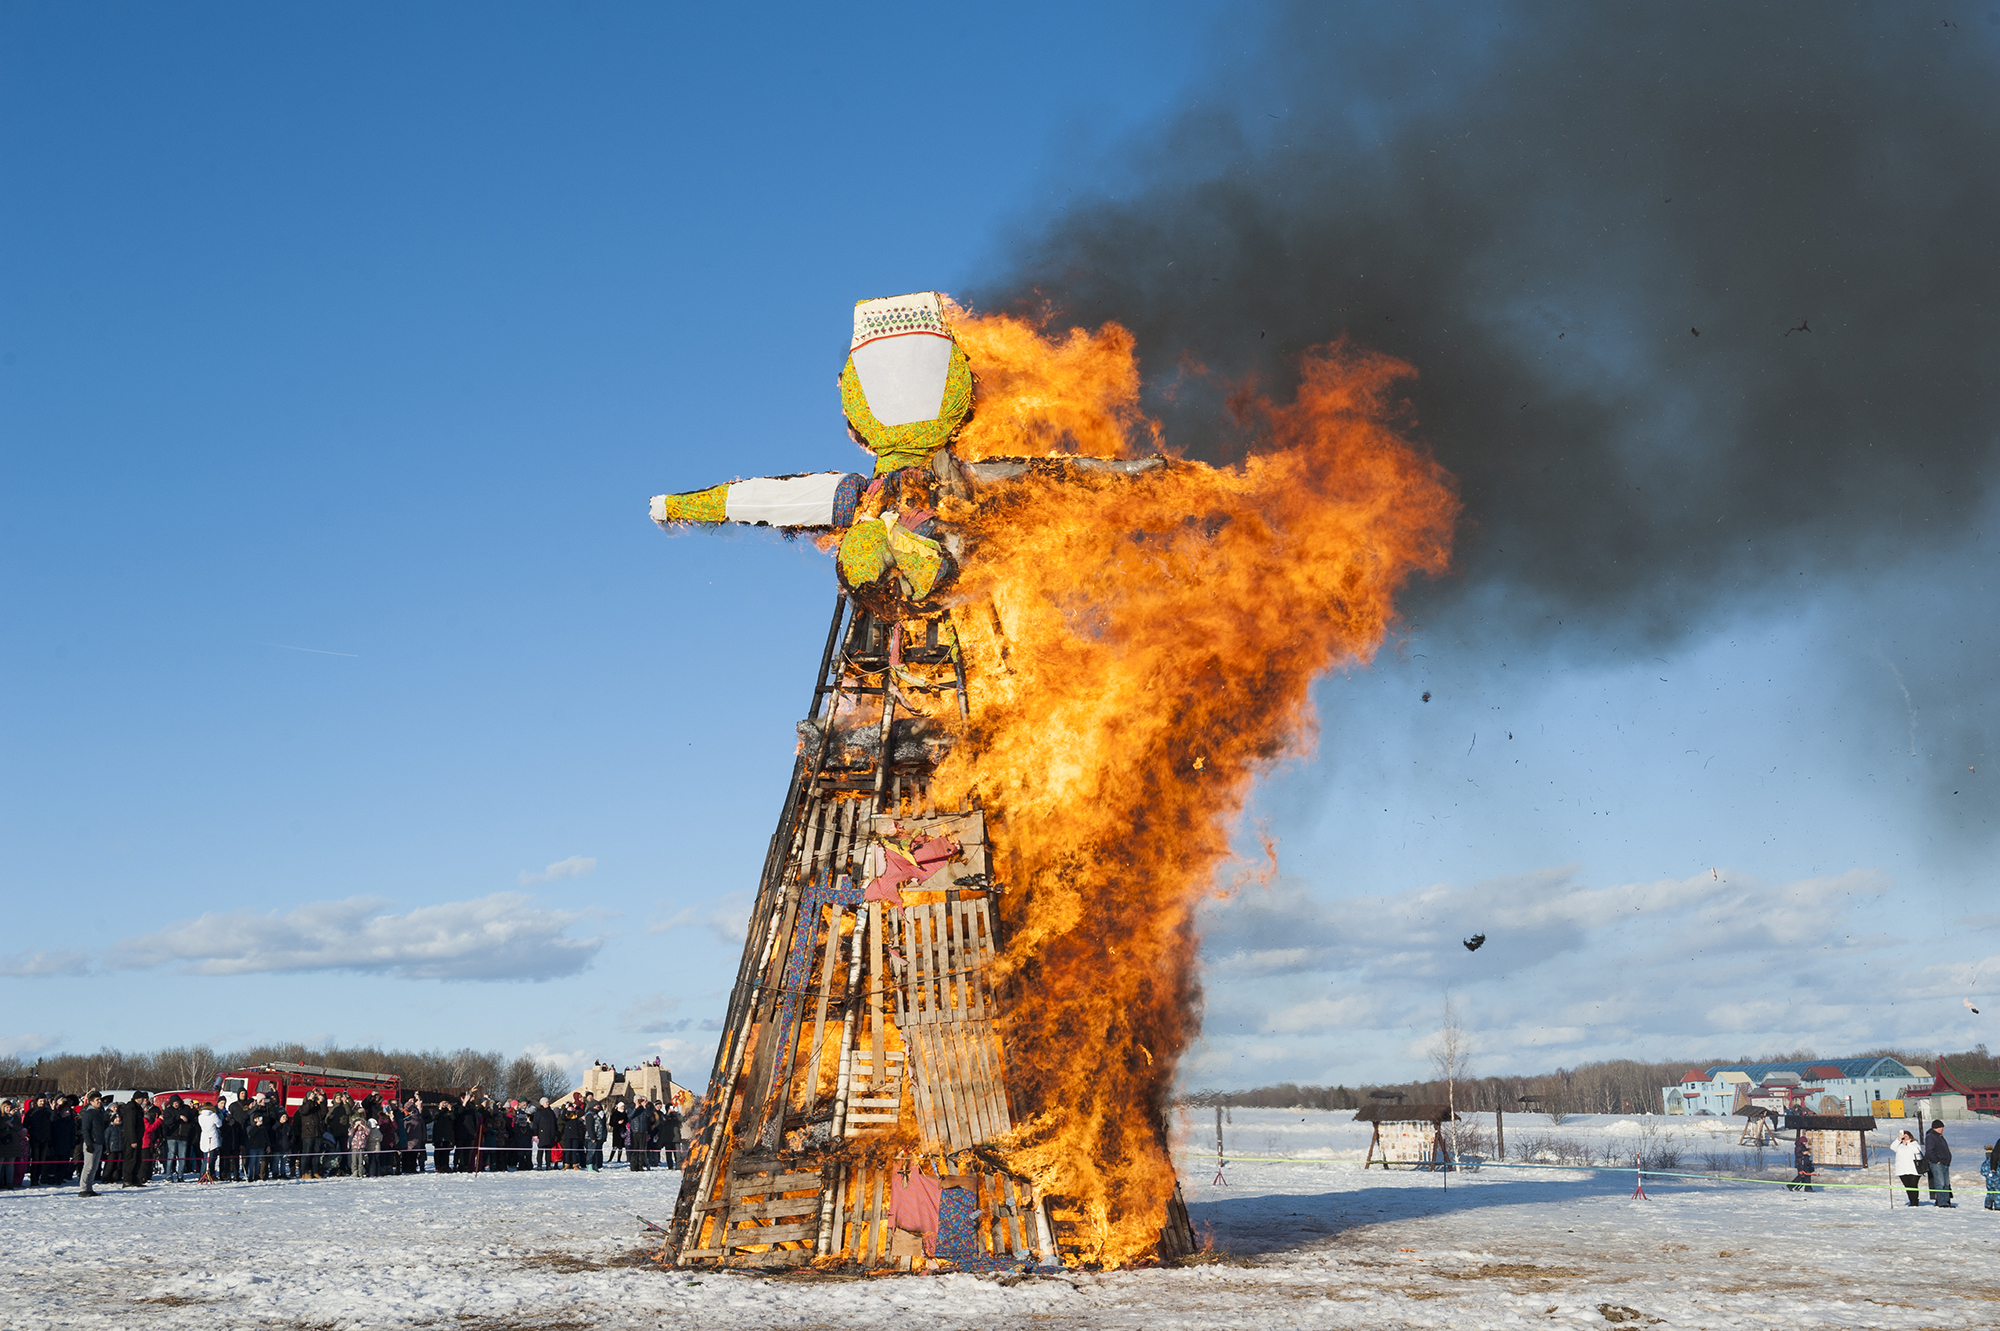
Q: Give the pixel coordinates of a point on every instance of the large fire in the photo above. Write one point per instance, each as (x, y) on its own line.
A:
(1140, 649)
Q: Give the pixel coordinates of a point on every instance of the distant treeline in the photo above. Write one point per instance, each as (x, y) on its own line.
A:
(1615, 1086)
(195, 1067)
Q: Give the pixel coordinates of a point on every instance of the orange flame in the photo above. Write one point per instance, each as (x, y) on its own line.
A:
(1141, 648)
(1078, 393)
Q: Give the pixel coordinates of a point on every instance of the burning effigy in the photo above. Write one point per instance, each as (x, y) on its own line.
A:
(1059, 657)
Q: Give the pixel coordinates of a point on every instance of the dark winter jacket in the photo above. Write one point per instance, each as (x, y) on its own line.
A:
(670, 1131)
(441, 1125)
(311, 1122)
(132, 1119)
(545, 1124)
(93, 1129)
(62, 1131)
(1937, 1151)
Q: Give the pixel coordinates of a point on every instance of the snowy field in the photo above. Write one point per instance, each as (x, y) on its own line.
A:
(1311, 1241)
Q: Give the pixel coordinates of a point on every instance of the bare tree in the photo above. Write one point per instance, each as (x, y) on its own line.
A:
(524, 1079)
(1452, 1058)
(555, 1078)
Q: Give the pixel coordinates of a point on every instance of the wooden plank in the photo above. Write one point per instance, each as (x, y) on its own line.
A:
(962, 961)
(1015, 1225)
(876, 973)
(781, 1206)
(772, 1234)
(951, 1078)
(992, 1080)
(844, 1079)
(874, 1118)
(969, 996)
(989, 1037)
(924, 1069)
(747, 1185)
(965, 1057)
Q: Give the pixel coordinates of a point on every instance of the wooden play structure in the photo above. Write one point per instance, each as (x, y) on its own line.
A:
(1407, 1135)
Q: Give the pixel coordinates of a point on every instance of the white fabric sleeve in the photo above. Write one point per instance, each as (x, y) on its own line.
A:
(785, 501)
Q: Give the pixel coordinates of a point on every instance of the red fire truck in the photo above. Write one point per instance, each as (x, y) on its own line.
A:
(289, 1082)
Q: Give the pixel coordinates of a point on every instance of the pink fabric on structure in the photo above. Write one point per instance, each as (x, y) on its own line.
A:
(882, 889)
(913, 1204)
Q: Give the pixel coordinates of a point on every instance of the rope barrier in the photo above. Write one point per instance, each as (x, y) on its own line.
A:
(1893, 1184)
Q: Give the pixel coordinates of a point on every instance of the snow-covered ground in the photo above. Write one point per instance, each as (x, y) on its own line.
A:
(1311, 1241)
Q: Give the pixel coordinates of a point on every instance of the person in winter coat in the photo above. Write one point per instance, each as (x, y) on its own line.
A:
(1802, 1163)
(36, 1123)
(1907, 1161)
(132, 1127)
(62, 1140)
(639, 1128)
(179, 1138)
(1937, 1154)
(595, 1125)
(413, 1136)
(284, 1144)
(210, 1125)
(257, 1138)
(544, 1119)
(617, 1131)
(93, 1128)
(571, 1126)
(467, 1132)
(670, 1135)
(357, 1146)
(311, 1122)
(442, 1120)
(1990, 1167)
(10, 1142)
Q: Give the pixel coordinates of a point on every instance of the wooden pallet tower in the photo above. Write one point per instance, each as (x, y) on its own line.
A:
(857, 1022)
(861, 1079)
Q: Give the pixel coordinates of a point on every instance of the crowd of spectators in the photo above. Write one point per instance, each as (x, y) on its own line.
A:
(52, 1141)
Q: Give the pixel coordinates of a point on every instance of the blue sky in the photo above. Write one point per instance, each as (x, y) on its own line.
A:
(352, 698)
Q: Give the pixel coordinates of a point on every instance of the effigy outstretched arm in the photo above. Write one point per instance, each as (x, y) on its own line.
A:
(814, 499)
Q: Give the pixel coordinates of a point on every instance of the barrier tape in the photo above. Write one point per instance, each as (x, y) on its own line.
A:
(1894, 1184)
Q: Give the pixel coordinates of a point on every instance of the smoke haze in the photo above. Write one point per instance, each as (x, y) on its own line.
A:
(1590, 228)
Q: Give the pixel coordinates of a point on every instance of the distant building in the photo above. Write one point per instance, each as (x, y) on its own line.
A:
(1952, 1095)
(1850, 1084)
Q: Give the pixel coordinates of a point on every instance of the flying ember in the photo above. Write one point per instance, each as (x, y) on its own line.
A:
(1059, 660)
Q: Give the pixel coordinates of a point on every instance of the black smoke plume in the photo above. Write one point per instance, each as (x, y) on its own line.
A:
(1701, 295)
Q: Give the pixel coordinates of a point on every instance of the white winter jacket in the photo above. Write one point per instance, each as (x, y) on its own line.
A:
(211, 1130)
(1906, 1155)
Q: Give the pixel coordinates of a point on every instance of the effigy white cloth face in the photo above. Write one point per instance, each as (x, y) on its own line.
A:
(902, 352)
(785, 501)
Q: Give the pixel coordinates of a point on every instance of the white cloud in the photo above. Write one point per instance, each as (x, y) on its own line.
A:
(40, 963)
(498, 937)
(1301, 987)
(727, 918)
(28, 1042)
(576, 866)
(688, 1061)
